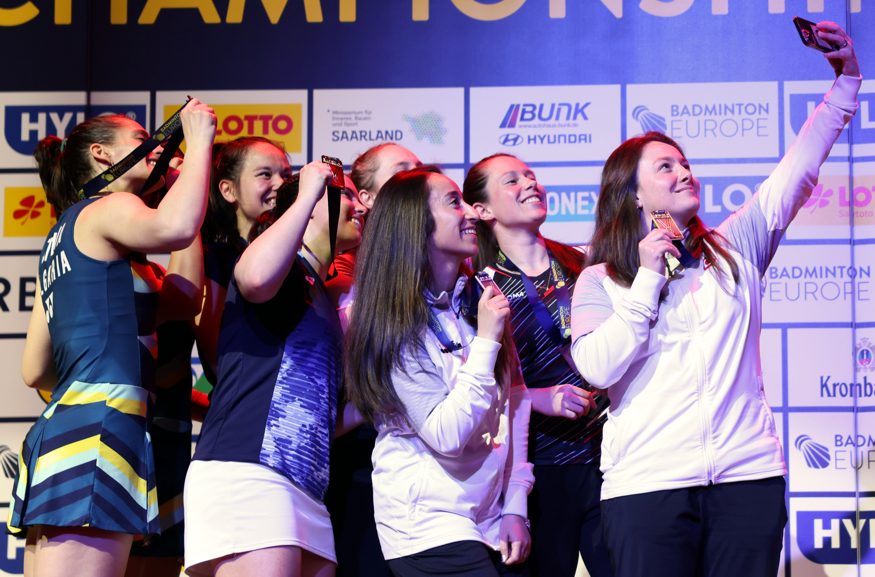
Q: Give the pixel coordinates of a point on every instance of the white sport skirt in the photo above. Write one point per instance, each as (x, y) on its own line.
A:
(233, 508)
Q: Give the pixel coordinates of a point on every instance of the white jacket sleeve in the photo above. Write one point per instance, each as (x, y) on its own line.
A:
(445, 415)
(790, 184)
(607, 338)
(518, 476)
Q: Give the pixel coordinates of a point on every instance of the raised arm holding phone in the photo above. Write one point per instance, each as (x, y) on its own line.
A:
(693, 467)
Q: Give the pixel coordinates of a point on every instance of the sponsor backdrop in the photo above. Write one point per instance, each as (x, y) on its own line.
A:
(560, 84)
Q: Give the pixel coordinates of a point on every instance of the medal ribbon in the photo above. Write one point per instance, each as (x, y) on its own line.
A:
(167, 130)
(559, 335)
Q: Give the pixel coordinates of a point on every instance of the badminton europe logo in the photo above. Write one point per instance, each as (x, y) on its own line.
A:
(649, 121)
(816, 455)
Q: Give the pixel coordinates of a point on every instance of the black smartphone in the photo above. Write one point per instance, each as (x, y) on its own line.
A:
(808, 33)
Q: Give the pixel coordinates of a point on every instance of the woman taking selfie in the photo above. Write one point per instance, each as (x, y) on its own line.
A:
(693, 468)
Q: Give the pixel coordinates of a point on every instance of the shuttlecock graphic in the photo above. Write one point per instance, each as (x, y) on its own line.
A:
(9, 460)
(648, 120)
(816, 455)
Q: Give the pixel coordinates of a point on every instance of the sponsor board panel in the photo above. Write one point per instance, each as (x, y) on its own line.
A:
(429, 122)
(27, 215)
(825, 452)
(827, 535)
(18, 285)
(772, 355)
(28, 117)
(11, 549)
(800, 99)
(808, 284)
(545, 123)
(457, 175)
(19, 401)
(864, 258)
(279, 115)
(709, 120)
(831, 367)
(835, 206)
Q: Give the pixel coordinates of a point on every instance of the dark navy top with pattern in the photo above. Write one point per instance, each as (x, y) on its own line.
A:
(279, 373)
(552, 440)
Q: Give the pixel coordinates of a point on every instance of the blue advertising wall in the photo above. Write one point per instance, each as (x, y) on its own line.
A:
(559, 83)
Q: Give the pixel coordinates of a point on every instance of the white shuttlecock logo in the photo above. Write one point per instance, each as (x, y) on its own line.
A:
(649, 121)
(9, 460)
(816, 455)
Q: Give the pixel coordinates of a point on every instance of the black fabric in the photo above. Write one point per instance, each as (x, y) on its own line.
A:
(461, 559)
(723, 530)
(565, 513)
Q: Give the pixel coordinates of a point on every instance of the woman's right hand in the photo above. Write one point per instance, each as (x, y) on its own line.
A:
(492, 314)
(314, 178)
(198, 123)
(653, 248)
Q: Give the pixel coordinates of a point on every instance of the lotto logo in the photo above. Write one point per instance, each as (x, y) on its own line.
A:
(277, 122)
(26, 212)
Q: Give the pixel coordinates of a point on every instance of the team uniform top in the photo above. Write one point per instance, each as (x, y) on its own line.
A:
(87, 461)
(279, 372)
(552, 440)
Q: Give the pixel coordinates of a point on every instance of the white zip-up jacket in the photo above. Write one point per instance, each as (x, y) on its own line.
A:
(683, 375)
(461, 463)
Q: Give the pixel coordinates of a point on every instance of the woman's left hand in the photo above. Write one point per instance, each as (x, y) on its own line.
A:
(514, 540)
(843, 59)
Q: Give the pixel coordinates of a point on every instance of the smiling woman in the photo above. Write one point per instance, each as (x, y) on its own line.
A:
(538, 276)
(693, 466)
(450, 466)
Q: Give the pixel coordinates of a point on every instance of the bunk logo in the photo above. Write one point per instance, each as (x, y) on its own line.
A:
(546, 123)
(25, 126)
(277, 122)
(801, 106)
(545, 114)
(833, 537)
(26, 212)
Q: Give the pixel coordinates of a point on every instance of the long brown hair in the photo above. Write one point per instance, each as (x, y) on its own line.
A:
(390, 314)
(474, 190)
(618, 220)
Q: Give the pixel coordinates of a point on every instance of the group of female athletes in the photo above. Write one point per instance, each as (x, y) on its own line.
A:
(378, 409)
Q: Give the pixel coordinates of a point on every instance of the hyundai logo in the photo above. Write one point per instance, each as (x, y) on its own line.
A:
(510, 139)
